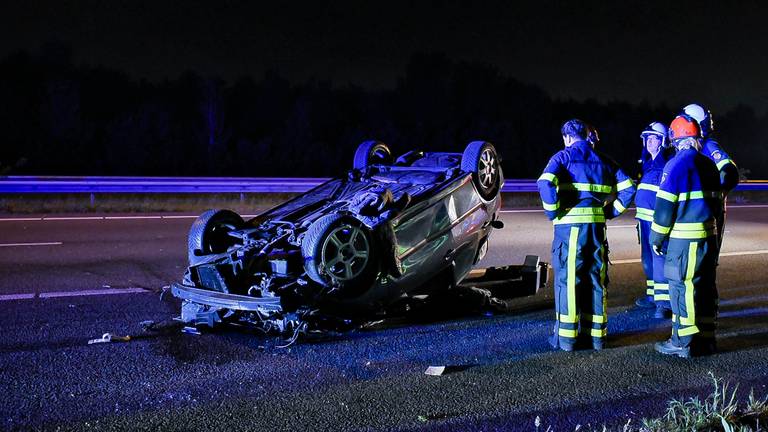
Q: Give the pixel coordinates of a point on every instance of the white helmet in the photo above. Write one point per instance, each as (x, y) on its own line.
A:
(701, 115)
(656, 128)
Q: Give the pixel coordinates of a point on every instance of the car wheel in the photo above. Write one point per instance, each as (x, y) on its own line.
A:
(480, 159)
(340, 252)
(371, 152)
(209, 233)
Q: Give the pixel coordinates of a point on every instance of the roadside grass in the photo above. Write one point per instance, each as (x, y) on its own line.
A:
(720, 411)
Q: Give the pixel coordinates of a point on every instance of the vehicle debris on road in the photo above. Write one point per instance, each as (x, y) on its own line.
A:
(109, 337)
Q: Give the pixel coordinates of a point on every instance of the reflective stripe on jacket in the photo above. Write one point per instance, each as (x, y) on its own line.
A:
(688, 199)
(577, 184)
(645, 200)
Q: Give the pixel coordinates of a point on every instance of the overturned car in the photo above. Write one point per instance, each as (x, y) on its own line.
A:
(353, 246)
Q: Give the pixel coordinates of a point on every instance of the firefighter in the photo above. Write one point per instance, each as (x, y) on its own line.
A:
(729, 173)
(576, 189)
(687, 204)
(655, 155)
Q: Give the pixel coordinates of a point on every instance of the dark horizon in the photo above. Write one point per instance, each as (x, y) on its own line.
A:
(635, 52)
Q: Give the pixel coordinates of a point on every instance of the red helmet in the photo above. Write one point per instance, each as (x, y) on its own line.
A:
(684, 126)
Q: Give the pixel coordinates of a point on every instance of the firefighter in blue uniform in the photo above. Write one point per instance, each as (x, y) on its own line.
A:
(655, 155)
(729, 173)
(687, 204)
(576, 189)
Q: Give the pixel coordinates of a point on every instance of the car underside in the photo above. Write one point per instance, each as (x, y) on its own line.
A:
(349, 249)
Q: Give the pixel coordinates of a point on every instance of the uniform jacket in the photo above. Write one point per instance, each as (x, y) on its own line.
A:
(577, 184)
(645, 200)
(689, 198)
(729, 173)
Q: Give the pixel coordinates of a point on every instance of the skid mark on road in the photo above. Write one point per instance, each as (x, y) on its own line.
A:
(82, 293)
(30, 244)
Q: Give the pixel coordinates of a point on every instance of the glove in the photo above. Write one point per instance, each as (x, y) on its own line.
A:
(657, 249)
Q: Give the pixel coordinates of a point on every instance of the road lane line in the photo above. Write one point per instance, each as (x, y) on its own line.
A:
(132, 217)
(71, 218)
(30, 244)
(523, 211)
(92, 292)
(625, 261)
(6, 297)
(81, 293)
(754, 252)
(21, 219)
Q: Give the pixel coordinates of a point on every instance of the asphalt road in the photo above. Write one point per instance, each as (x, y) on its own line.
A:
(65, 281)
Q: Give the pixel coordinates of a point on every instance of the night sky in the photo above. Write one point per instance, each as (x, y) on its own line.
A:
(673, 52)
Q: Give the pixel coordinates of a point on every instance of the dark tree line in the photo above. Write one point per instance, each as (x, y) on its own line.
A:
(61, 119)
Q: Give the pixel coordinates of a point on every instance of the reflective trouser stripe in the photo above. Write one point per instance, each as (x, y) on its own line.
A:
(687, 324)
(580, 295)
(660, 291)
(572, 243)
(649, 287)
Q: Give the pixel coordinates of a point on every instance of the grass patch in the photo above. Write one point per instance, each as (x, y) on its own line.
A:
(720, 411)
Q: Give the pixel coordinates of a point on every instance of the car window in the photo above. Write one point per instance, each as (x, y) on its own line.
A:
(465, 198)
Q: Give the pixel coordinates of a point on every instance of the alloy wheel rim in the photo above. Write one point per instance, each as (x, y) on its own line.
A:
(345, 252)
(487, 169)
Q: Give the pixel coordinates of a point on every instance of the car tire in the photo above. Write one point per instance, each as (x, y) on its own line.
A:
(209, 233)
(340, 252)
(480, 159)
(371, 152)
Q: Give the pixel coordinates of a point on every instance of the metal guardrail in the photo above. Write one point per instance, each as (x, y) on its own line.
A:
(106, 185)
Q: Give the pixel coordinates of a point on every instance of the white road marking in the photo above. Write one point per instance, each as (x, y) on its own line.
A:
(59, 294)
(626, 261)
(131, 217)
(178, 217)
(754, 252)
(30, 244)
(68, 218)
(6, 297)
(722, 254)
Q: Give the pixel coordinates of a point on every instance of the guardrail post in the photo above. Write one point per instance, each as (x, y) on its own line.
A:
(93, 199)
(242, 197)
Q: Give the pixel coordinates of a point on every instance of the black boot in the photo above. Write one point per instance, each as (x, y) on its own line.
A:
(669, 348)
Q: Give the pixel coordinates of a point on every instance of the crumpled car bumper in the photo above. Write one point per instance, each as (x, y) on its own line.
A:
(224, 300)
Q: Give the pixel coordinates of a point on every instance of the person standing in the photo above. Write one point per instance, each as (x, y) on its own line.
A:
(655, 155)
(729, 173)
(576, 188)
(687, 203)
